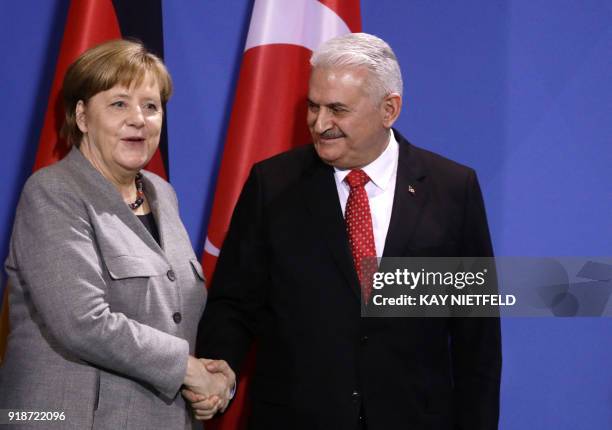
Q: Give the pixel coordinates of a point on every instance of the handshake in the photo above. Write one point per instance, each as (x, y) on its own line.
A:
(208, 386)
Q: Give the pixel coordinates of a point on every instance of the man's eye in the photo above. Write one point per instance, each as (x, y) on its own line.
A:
(312, 107)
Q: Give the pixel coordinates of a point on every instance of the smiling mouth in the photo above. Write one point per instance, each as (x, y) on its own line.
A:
(330, 137)
(133, 139)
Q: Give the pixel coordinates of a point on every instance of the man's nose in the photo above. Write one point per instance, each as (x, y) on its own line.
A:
(323, 121)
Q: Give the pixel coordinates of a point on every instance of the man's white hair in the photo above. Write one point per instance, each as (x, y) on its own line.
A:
(363, 50)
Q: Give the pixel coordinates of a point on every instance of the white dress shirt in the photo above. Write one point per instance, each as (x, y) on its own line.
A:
(380, 190)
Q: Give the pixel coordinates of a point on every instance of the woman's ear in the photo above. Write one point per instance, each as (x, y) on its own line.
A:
(80, 117)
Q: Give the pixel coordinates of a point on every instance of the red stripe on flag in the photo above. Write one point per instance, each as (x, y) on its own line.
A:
(268, 117)
(349, 11)
(89, 23)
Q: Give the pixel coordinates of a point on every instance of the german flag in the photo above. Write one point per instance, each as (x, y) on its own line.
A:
(89, 23)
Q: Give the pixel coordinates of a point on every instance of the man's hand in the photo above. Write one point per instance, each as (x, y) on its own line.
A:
(210, 385)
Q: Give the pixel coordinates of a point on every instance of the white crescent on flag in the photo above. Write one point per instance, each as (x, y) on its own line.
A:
(210, 248)
(306, 23)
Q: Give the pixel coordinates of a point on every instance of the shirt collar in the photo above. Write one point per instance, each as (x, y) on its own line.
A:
(381, 169)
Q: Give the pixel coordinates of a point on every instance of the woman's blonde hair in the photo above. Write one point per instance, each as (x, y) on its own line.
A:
(100, 68)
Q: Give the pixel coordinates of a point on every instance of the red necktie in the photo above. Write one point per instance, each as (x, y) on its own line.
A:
(359, 228)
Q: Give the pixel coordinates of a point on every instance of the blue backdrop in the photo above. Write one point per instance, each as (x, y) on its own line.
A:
(519, 89)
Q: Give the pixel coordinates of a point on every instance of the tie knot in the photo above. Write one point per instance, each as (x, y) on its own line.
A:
(357, 178)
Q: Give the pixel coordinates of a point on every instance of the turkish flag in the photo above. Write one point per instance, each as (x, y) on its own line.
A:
(89, 23)
(269, 114)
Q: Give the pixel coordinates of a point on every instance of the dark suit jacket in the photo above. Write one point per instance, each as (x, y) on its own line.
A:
(285, 277)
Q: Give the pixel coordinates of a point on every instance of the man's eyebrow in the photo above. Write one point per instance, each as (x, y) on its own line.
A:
(329, 105)
(333, 105)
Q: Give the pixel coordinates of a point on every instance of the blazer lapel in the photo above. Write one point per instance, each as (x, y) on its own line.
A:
(321, 197)
(158, 213)
(411, 193)
(107, 199)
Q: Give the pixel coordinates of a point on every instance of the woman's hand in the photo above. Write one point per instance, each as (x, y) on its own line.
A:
(210, 385)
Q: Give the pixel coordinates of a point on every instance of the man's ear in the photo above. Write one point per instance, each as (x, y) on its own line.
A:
(391, 107)
(80, 117)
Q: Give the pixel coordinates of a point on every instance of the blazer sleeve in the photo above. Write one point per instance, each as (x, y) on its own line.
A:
(475, 342)
(55, 257)
(228, 325)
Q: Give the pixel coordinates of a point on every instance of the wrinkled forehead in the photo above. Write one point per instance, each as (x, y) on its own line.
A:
(328, 83)
(341, 73)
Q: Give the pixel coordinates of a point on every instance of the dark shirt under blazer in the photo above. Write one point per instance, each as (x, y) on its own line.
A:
(102, 318)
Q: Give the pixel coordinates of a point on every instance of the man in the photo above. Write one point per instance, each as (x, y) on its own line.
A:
(287, 275)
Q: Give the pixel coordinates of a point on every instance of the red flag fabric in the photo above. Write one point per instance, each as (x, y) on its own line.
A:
(89, 23)
(269, 114)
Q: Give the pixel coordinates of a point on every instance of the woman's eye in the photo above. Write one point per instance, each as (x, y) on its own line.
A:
(119, 104)
(151, 107)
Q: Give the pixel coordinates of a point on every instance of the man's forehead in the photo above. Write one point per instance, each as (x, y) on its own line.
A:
(336, 83)
(342, 73)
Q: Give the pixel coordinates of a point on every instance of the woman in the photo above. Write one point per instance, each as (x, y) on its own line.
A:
(106, 292)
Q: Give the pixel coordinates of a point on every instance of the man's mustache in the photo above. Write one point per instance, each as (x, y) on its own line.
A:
(331, 134)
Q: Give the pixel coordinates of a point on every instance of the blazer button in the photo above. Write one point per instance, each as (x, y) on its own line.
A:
(177, 317)
(171, 275)
(364, 339)
(355, 396)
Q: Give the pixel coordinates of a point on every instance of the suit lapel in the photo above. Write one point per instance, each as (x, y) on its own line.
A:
(158, 213)
(321, 197)
(411, 193)
(106, 198)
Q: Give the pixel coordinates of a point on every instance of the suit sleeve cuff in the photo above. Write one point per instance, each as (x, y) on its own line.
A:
(171, 378)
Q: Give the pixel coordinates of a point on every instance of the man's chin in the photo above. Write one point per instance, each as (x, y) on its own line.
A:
(328, 162)
(325, 154)
(336, 162)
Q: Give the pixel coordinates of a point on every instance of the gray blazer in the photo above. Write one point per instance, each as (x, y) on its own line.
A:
(102, 318)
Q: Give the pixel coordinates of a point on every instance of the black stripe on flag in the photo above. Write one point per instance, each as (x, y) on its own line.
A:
(143, 20)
